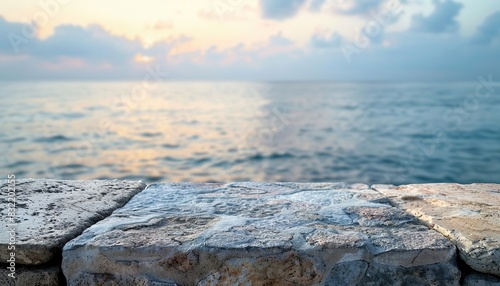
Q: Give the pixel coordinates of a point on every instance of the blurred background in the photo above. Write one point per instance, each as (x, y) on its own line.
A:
(302, 90)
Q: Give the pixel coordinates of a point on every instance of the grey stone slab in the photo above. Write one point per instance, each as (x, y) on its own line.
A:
(468, 214)
(259, 234)
(32, 276)
(48, 213)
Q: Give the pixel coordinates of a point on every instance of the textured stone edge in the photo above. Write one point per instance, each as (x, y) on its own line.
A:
(470, 276)
(50, 273)
(53, 273)
(53, 251)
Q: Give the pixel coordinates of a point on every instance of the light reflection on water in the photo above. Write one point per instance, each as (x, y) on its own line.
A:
(185, 131)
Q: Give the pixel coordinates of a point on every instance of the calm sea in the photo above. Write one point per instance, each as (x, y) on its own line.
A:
(216, 131)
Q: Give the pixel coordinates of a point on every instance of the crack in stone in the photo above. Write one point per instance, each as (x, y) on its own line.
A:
(418, 254)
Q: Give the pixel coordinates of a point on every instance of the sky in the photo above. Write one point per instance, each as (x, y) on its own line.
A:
(254, 40)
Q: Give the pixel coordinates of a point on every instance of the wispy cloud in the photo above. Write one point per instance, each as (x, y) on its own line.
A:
(280, 9)
(489, 30)
(351, 7)
(326, 40)
(443, 19)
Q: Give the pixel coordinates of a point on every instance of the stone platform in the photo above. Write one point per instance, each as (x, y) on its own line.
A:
(47, 214)
(260, 234)
(118, 233)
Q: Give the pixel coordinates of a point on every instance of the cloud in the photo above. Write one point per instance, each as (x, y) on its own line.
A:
(489, 30)
(279, 40)
(322, 41)
(280, 9)
(92, 44)
(405, 57)
(357, 6)
(316, 5)
(15, 37)
(239, 55)
(442, 20)
(75, 52)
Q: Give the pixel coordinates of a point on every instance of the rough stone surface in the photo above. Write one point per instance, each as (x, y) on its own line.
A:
(51, 212)
(468, 214)
(480, 279)
(259, 234)
(32, 276)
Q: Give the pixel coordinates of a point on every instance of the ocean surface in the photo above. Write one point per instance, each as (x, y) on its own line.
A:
(235, 131)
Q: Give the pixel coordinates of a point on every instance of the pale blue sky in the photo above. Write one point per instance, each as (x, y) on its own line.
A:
(406, 40)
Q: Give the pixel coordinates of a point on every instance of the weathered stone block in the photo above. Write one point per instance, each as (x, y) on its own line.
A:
(259, 234)
(468, 214)
(48, 213)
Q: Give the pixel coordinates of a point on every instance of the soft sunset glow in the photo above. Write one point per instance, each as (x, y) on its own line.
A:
(234, 37)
